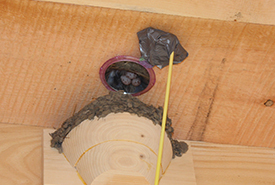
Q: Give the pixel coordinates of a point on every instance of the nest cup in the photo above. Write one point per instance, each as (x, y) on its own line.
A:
(144, 71)
(118, 149)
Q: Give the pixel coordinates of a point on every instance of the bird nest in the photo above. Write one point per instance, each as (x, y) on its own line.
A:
(117, 102)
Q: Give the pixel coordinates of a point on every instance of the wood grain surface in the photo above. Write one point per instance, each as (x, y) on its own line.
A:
(179, 172)
(20, 155)
(218, 164)
(260, 11)
(56, 170)
(120, 142)
(21, 160)
(51, 53)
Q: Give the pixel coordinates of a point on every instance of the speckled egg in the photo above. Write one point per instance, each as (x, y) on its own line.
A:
(136, 82)
(131, 75)
(125, 80)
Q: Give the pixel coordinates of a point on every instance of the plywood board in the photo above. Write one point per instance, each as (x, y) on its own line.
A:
(51, 53)
(58, 171)
(260, 11)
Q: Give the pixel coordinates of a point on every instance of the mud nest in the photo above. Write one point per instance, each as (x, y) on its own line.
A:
(117, 102)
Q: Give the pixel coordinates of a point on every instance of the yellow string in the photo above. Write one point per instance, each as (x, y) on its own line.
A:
(82, 180)
(168, 85)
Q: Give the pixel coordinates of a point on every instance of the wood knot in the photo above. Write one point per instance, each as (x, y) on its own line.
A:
(268, 103)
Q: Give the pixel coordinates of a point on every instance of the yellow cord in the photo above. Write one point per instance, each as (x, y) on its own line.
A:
(168, 85)
(82, 180)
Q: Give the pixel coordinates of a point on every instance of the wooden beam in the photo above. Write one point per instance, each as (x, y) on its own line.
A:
(204, 163)
(51, 54)
(20, 154)
(260, 11)
(129, 140)
(21, 161)
(180, 170)
(219, 164)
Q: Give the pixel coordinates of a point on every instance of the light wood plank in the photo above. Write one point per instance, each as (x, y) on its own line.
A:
(20, 155)
(21, 160)
(223, 165)
(56, 169)
(120, 178)
(179, 172)
(260, 11)
(218, 164)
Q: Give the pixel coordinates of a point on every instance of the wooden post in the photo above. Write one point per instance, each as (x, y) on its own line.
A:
(118, 149)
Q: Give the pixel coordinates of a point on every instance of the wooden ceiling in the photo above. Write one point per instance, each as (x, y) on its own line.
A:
(51, 53)
(260, 11)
